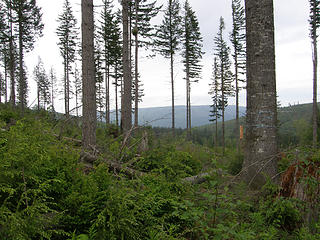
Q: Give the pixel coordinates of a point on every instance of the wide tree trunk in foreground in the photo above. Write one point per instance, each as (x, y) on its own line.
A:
(126, 104)
(261, 133)
(88, 76)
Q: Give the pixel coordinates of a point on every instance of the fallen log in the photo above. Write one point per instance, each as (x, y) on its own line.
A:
(76, 141)
(88, 158)
(198, 179)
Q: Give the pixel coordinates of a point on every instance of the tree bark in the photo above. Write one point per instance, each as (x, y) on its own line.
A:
(261, 133)
(172, 95)
(88, 76)
(126, 104)
(136, 72)
(116, 95)
(12, 61)
(21, 75)
(315, 106)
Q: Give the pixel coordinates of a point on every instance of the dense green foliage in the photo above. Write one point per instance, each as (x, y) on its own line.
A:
(46, 193)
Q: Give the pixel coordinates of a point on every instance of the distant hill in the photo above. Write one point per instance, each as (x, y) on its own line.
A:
(161, 116)
(294, 127)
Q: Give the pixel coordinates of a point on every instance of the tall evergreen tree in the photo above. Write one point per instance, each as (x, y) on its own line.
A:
(77, 88)
(43, 84)
(261, 152)
(237, 38)
(216, 107)
(140, 14)
(8, 38)
(117, 62)
(167, 41)
(108, 31)
(30, 26)
(52, 82)
(222, 52)
(314, 25)
(88, 76)
(126, 97)
(192, 55)
(100, 94)
(67, 32)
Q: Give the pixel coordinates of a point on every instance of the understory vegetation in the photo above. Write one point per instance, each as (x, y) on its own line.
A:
(47, 190)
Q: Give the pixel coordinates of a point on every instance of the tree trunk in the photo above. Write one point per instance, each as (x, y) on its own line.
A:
(21, 75)
(12, 61)
(116, 95)
(67, 87)
(172, 95)
(88, 76)
(223, 106)
(136, 72)
(315, 107)
(5, 80)
(126, 104)
(107, 82)
(237, 103)
(261, 133)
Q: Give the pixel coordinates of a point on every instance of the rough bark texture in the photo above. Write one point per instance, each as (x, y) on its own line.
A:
(88, 76)
(136, 80)
(126, 104)
(261, 133)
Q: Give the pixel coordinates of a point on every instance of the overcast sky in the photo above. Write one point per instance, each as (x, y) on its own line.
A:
(293, 53)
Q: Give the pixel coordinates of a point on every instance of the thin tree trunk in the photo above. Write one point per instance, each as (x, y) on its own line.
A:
(88, 76)
(126, 104)
(223, 107)
(52, 93)
(261, 121)
(5, 80)
(315, 107)
(172, 95)
(237, 103)
(107, 82)
(67, 87)
(38, 96)
(21, 75)
(12, 61)
(136, 80)
(116, 95)
(189, 99)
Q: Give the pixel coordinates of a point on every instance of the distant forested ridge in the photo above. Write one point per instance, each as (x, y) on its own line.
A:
(161, 116)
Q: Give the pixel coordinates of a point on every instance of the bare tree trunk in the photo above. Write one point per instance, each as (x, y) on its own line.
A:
(223, 107)
(188, 96)
(315, 106)
(116, 95)
(5, 79)
(67, 87)
(189, 99)
(237, 103)
(107, 82)
(136, 72)
(126, 104)
(88, 76)
(38, 96)
(172, 95)
(261, 133)
(21, 74)
(12, 61)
